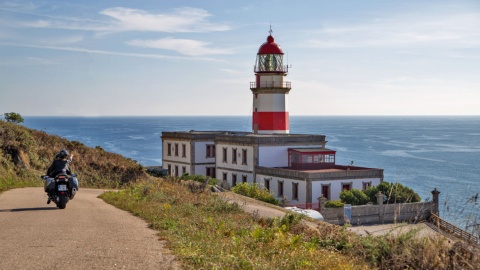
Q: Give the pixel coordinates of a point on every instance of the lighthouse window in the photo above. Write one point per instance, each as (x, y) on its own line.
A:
(169, 149)
(176, 149)
(184, 150)
(267, 184)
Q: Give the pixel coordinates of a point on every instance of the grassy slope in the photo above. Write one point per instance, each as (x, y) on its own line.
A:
(25, 155)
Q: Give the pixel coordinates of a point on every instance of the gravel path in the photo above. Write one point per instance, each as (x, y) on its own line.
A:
(88, 234)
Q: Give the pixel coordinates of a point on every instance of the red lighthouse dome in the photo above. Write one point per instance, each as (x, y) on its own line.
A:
(270, 47)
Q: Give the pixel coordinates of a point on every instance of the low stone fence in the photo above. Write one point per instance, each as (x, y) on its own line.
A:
(379, 214)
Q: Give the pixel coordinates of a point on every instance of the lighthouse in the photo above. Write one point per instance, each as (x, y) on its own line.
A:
(270, 106)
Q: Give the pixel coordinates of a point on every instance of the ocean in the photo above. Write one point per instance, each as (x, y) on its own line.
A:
(421, 152)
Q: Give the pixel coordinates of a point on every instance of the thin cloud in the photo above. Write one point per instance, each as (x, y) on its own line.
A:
(182, 20)
(412, 30)
(102, 52)
(183, 46)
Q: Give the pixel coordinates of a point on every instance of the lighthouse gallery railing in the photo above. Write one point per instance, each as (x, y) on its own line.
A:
(271, 84)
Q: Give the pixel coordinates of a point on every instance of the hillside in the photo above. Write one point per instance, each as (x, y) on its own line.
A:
(25, 155)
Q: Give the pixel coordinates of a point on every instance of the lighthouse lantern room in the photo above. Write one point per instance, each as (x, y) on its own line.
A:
(270, 106)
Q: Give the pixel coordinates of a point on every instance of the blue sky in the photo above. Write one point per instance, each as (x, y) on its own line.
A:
(99, 58)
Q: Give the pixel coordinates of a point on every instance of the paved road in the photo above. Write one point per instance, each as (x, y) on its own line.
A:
(88, 234)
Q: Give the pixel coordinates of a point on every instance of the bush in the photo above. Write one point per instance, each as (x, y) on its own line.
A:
(254, 191)
(354, 197)
(394, 193)
(334, 204)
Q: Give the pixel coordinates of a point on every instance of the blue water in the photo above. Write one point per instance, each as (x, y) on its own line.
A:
(422, 153)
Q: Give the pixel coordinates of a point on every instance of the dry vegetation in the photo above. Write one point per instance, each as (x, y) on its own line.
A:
(207, 233)
(25, 154)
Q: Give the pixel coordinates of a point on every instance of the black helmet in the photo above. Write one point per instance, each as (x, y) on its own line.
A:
(63, 153)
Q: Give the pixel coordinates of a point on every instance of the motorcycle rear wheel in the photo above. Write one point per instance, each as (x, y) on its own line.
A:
(62, 201)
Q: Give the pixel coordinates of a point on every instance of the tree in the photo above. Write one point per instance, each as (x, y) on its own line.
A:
(13, 117)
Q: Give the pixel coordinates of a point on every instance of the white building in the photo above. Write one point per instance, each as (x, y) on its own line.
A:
(295, 166)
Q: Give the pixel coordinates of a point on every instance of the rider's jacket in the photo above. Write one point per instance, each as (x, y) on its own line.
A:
(59, 166)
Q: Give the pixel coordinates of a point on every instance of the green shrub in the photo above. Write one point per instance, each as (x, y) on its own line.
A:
(334, 204)
(256, 192)
(354, 197)
(394, 193)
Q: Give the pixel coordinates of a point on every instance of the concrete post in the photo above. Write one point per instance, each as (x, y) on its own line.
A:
(380, 198)
(321, 203)
(435, 196)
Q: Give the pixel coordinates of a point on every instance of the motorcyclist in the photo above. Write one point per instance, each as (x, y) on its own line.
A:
(61, 165)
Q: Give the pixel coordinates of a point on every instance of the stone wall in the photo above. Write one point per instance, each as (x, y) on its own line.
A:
(379, 214)
(382, 213)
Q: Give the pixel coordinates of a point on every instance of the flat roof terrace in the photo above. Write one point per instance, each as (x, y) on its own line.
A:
(244, 137)
(334, 172)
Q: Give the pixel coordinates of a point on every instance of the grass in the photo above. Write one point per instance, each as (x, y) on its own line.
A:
(207, 233)
(25, 155)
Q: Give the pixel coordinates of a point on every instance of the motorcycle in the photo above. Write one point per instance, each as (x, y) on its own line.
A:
(60, 189)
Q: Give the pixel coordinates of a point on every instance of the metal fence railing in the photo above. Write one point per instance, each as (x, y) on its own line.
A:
(451, 229)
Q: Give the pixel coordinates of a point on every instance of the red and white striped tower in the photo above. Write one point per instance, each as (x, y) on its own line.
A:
(270, 112)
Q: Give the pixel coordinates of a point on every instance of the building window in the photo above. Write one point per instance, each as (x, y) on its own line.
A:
(346, 186)
(295, 191)
(211, 172)
(184, 150)
(169, 169)
(326, 191)
(184, 170)
(234, 180)
(176, 170)
(267, 184)
(210, 150)
(224, 155)
(280, 188)
(224, 176)
(366, 185)
(176, 149)
(169, 149)
(244, 156)
(234, 155)
(244, 178)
